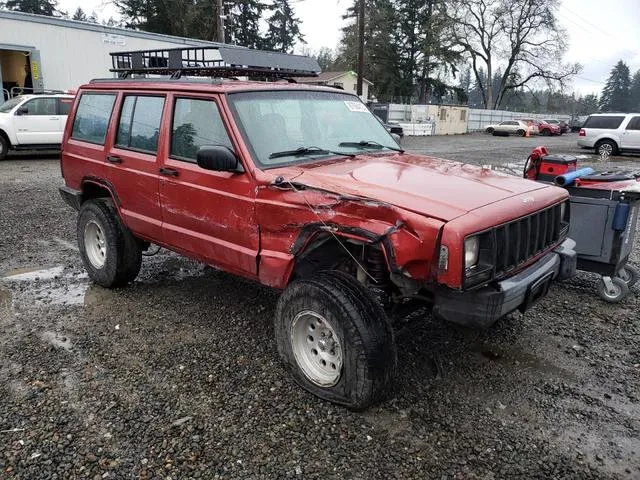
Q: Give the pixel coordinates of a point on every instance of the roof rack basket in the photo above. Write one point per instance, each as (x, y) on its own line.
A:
(212, 61)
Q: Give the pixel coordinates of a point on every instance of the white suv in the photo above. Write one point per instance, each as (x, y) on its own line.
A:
(33, 122)
(611, 133)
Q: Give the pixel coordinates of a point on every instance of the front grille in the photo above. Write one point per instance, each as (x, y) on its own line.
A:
(518, 241)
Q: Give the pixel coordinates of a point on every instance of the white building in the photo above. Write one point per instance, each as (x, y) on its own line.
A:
(63, 54)
(348, 81)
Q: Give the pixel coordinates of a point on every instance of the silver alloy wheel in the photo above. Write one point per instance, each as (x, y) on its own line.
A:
(1, 148)
(605, 149)
(95, 244)
(316, 348)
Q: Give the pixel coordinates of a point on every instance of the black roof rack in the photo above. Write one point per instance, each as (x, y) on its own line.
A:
(213, 62)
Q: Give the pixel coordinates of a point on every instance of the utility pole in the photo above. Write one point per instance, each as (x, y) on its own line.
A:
(360, 46)
(219, 22)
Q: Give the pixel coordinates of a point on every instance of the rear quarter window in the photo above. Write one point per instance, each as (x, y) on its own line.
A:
(92, 117)
(604, 121)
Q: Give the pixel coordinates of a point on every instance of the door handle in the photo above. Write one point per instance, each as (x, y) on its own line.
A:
(114, 159)
(169, 171)
(54, 118)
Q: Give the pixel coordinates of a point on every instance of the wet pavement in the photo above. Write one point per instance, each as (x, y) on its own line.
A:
(177, 375)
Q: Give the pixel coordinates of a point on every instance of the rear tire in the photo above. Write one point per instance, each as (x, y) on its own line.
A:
(111, 254)
(521, 133)
(607, 147)
(629, 274)
(335, 340)
(4, 147)
(546, 132)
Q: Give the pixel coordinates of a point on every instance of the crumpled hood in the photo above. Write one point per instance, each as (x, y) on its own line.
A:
(434, 187)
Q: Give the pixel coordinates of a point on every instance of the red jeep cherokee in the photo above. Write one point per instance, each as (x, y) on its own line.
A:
(301, 188)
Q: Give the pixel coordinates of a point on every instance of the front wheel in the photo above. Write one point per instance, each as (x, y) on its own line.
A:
(335, 340)
(111, 254)
(489, 130)
(4, 147)
(614, 290)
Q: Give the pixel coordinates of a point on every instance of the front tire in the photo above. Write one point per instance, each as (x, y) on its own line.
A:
(489, 130)
(111, 254)
(617, 291)
(4, 147)
(335, 340)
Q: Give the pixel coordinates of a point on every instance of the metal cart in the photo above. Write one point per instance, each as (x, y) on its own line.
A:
(604, 218)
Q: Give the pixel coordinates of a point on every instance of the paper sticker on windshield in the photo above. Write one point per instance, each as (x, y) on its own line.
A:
(356, 106)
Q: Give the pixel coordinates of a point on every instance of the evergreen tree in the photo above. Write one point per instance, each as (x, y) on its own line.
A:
(79, 15)
(243, 23)
(39, 7)
(616, 94)
(635, 92)
(284, 27)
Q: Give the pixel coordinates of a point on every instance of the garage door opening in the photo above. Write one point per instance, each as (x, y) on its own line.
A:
(19, 72)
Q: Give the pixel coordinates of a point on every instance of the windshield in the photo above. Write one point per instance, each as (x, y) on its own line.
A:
(279, 125)
(7, 106)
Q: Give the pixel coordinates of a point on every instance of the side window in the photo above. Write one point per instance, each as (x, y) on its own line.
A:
(64, 105)
(92, 117)
(634, 124)
(40, 106)
(196, 123)
(139, 127)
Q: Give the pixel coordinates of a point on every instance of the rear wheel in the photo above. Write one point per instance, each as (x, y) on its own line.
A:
(606, 147)
(4, 147)
(335, 340)
(546, 132)
(629, 274)
(521, 133)
(111, 254)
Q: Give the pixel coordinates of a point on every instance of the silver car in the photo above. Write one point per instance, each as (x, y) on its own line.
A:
(611, 133)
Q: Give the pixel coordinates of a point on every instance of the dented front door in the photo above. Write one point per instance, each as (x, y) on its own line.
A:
(208, 214)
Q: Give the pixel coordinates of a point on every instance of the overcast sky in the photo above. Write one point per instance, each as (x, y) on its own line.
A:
(599, 32)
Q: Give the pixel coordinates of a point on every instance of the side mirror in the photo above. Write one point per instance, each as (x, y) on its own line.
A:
(218, 159)
(22, 111)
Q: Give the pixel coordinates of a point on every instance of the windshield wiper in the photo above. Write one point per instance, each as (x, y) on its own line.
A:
(299, 152)
(370, 144)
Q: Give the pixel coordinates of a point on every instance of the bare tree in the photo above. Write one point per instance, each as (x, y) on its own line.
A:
(519, 38)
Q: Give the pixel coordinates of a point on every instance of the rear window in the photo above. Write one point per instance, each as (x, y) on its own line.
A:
(92, 117)
(604, 121)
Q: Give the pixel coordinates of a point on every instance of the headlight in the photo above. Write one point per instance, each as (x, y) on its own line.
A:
(471, 250)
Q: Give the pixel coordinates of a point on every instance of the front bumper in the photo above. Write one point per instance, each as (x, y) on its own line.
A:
(483, 307)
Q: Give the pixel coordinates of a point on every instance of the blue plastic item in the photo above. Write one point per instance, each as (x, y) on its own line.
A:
(568, 178)
(620, 217)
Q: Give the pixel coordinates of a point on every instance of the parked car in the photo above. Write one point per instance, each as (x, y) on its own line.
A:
(564, 126)
(542, 127)
(508, 127)
(33, 122)
(300, 188)
(611, 133)
(392, 127)
(577, 122)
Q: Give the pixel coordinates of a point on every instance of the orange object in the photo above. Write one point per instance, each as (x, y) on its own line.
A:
(528, 129)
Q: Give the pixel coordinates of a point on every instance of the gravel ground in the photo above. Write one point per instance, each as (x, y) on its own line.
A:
(177, 376)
